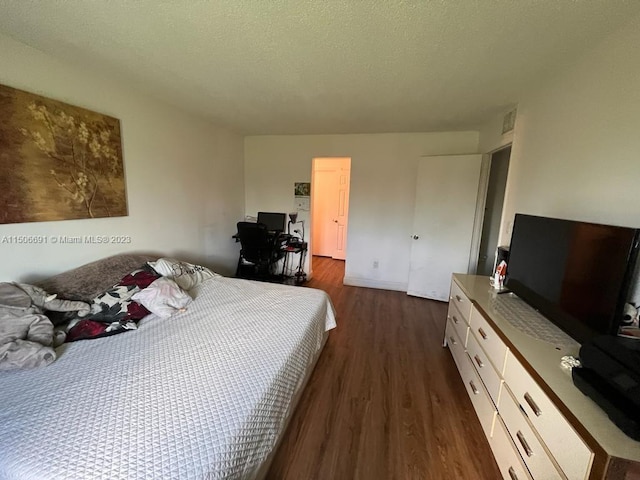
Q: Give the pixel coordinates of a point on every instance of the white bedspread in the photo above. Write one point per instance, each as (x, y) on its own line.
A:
(202, 394)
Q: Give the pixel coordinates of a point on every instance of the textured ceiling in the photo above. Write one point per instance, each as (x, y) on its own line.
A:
(312, 66)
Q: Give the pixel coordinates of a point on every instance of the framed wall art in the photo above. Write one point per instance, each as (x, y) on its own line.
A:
(58, 161)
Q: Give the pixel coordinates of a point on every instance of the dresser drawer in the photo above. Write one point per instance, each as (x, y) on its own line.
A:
(568, 449)
(489, 340)
(506, 454)
(458, 322)
(455, 345)
(483, 405)
(489, 376)
(460, 300)
(531, 450)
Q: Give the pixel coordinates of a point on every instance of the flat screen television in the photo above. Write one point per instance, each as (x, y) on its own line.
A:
(577, 274)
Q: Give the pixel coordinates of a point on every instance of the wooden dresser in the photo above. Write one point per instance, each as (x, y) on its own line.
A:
(539, 425)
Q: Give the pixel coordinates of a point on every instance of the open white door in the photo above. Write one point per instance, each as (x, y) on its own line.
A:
(324, 212)
(446, 195)
(342, 213)
(331, 177)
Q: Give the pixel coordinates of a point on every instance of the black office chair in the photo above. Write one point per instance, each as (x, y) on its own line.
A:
(259, 251)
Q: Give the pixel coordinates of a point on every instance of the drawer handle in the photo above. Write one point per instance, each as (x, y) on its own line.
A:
(478, 361)
(458, 298)
(455, 320)
(532, 404)
(474, 389)
(482, 333)
(512, 474)
(453, 341)
(525, 445)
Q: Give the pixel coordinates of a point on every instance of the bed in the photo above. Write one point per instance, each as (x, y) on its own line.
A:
(204, 394)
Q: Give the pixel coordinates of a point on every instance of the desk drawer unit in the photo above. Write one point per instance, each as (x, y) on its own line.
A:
(489, 340)
(460, 300)
(458, 322)
(489, 376)
(480, 399)
(568, 449)
(531, 450)
(507, 457)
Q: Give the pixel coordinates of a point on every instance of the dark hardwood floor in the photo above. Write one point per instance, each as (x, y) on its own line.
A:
(385, 400)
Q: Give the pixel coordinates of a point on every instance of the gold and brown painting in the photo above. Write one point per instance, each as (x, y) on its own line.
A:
(57, 161)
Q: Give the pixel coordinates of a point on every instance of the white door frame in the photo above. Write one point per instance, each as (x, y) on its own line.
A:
(478, 221)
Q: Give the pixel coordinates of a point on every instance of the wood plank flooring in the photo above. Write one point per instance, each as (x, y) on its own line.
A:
(385, 400)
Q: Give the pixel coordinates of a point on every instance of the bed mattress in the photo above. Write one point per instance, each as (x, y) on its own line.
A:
(203, 394)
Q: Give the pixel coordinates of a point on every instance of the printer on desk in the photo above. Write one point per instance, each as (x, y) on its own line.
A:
(610, 376)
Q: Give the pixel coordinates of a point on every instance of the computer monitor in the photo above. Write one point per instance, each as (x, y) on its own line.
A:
(275, 222)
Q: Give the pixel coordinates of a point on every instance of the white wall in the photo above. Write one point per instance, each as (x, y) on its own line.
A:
(576, 150)
(184, 176)
(383, 176)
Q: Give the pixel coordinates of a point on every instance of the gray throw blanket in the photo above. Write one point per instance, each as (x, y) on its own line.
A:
(27, 336)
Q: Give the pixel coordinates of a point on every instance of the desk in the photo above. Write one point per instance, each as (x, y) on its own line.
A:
(287, 245)
(277, 236)
(299, 248)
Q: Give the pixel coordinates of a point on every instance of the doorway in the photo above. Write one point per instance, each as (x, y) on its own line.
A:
(330, 182)
(498, 172)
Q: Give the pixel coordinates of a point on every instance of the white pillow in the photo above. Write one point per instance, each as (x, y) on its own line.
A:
(163, 297)
(186, 275)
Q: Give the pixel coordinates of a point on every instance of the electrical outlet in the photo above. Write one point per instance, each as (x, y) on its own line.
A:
(375, 264)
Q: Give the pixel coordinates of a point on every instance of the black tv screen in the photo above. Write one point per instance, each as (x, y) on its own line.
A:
(275, 222)
(577, 274)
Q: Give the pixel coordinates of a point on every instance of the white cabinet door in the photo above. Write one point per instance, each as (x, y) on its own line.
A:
(446, 195)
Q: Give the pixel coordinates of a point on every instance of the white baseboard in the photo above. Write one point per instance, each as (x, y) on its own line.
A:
(369, 283)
